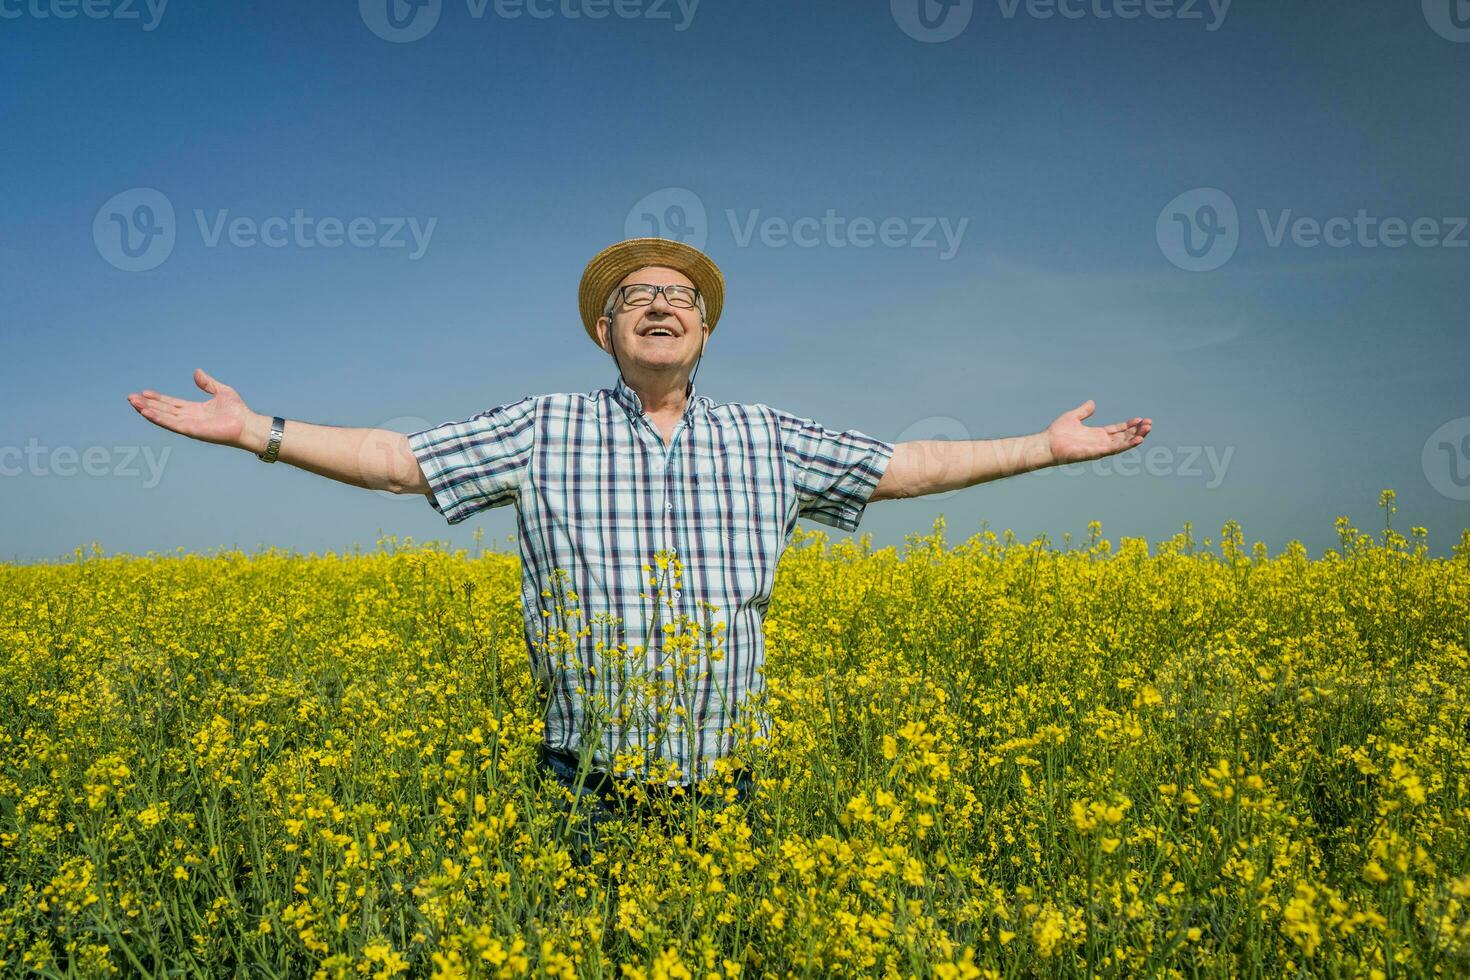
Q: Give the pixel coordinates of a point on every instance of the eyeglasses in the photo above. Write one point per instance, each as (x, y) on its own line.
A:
(641, 294)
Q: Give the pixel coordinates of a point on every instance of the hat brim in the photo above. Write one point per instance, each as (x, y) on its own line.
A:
(610, 266)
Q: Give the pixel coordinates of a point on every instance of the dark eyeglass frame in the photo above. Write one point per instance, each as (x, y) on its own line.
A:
(693, 303)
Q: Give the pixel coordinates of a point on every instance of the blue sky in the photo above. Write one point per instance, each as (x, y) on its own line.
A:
(1034, 176)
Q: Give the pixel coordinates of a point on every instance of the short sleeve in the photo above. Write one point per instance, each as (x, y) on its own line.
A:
(835, 473)
(478, 463)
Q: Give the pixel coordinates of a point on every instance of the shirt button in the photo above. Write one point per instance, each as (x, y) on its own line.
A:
(669, 505)
(677, 593)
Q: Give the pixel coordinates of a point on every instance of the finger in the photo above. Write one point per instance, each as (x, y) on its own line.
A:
(157, 406)
(205, 382)
(162, 401)
(1085, 410)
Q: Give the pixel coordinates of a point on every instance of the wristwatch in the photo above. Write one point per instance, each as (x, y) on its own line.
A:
(273, 448)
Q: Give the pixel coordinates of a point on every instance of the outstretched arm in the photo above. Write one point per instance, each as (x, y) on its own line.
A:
(934, 466)
(375, 459)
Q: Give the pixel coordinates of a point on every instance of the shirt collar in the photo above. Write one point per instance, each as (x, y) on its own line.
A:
(629, 399)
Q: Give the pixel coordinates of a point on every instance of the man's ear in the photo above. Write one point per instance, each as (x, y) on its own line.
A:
(603, 326)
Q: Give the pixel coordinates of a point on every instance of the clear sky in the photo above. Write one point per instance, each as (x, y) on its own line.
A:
(954, 222)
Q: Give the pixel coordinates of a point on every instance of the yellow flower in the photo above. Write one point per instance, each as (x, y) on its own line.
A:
(1048, 932)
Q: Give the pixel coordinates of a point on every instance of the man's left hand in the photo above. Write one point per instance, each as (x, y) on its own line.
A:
(1072, 442)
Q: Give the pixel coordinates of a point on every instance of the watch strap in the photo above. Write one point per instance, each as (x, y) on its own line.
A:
(273, 448)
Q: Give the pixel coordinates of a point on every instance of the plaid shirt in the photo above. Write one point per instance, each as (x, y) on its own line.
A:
(599, 494)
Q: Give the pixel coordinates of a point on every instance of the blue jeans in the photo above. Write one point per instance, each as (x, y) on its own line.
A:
(609, 803)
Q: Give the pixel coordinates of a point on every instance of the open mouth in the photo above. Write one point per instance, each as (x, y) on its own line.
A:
(660, 332)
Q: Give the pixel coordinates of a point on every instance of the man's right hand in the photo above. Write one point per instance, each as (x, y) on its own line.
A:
(224, 419)
(376, 459)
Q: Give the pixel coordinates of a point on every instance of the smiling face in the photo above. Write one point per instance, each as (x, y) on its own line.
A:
(658, 337)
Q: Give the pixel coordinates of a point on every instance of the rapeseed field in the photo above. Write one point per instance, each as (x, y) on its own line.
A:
(986, 759)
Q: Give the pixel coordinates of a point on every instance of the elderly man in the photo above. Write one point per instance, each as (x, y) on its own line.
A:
(616, 489)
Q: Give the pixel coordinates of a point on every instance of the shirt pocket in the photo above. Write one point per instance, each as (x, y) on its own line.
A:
(740, 504)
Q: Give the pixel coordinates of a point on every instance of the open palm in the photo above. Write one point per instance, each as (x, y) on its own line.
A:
(219, 420)
(1073, 442)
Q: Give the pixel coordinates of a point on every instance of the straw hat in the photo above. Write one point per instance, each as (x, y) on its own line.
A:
(612, 264)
